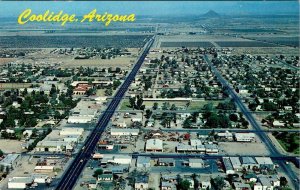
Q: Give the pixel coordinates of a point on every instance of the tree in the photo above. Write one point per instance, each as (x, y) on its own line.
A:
(132, 102)
(283, 181)
(233, 117)
(218, 183)
(155, 106)
(184, 184)
(148, 113)
(98, 172)
(1, 153)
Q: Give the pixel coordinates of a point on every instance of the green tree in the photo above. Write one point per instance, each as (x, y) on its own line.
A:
(98, 172)
(184, 184)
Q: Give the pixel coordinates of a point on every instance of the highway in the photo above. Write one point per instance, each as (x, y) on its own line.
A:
(73, 172)
(264, 138)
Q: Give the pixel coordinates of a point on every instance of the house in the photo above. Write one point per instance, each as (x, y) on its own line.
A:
(257, 186)
(167, 186)
(228, 166)
(196, 163)
(81, 89)
(143, 162)
(277, 123)
(241, 186)
(248, 163)
(124, 132)
(269, 182)
(265, 162)
(20, 182)
(166, 162)
(250, 177)
(10, 160)
(244, 137)
(204, 182)
(105, 178)
(141, 182)
(154, 145)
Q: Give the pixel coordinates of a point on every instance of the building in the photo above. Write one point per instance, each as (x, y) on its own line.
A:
(211, 149)
(167, 186)
(236, 163)
(53, 146)
(41, 178)
(269, 182)
(228, 166)
(226, 136)
(166, 162)
(265, 162)
(250, 177)
(105, 178)
(248, 163)
(81, 89)
(116, 159)
(154, 145)
(196, 163)
(10, 160)
(244, 137)
(143, 162)
(141, 182)
(241, 186)
(70, 131)
(20, 182)
(43, 169)
(124, 132)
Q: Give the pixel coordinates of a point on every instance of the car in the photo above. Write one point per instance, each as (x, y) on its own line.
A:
(81, 160)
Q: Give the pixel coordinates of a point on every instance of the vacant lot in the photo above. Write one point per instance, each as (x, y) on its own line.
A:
(6, 60)
(238, 148)
(9, 146)
(186, 44)
(243, 44)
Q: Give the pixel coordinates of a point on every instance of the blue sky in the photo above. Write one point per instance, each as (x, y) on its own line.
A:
(8, 8)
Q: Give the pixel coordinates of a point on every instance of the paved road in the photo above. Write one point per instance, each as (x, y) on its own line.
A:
(72, 173)
(265, 139)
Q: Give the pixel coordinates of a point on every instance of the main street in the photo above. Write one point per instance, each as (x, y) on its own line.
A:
(264, 138)
(73, 172)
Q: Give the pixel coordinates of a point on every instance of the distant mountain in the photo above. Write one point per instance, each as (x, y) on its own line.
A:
(211, 14)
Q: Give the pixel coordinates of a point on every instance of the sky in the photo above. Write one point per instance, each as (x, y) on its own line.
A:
(156, 8)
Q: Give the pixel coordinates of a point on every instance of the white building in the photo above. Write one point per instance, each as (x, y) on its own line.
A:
(43, 169)
(117, 159)
(244, 137)
(69, 131)
(143, 162)
(20, 182)
(154, 145)
(124, 132)
(196, 163)
(228, 166)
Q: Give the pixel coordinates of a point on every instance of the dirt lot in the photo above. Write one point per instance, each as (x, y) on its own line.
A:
(9, 146)
(239, 148)
(6, 60)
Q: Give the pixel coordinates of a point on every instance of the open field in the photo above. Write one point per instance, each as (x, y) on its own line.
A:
(243, 44)
(186, 44)
(122, 41)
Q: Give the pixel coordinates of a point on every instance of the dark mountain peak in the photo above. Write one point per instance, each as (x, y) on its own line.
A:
(211, 14)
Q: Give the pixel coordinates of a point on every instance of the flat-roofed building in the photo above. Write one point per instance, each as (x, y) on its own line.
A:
(154, 145)
(265, 162)
(124, 132)
(244, 137)
(228, 166)
(236, 163)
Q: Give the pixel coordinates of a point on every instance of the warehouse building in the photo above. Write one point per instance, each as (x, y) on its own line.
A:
(20, 182)
(244, 137)
(124, 132)
(228, 166)
(10, 160)
(196, 163)
(68, 131)
(236, 163)
(53, 146)
(265, 162)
